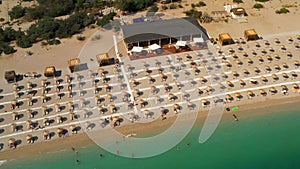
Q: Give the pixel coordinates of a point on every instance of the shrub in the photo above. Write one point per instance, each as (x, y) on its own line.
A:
(193, 13)
(153, 8)
(201, 3)
(180, 6)
(164, 7)
(193, 5)
(9, 50)
(54, 42)
(282, 11)
(80, 38)
(238, 1)
(258, 6)
(173, 6)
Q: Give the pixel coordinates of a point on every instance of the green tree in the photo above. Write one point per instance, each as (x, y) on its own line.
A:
(16, 12)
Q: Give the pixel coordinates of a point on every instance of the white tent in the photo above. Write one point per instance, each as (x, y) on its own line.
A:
(154, 46)
(180, 43)
(137, 49)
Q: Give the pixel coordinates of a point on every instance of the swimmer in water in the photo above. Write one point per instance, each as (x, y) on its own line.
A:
(100, 155)
(77, 161)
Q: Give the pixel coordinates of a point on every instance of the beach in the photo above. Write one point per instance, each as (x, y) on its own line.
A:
(277, 115)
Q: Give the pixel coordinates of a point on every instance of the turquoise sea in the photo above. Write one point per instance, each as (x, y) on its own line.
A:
(261, 141)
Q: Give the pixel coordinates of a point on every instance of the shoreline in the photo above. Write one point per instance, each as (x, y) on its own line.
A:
(82, 140)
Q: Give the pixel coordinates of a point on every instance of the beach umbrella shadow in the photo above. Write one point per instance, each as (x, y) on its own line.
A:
(18, 142)
(2, 131)
(1, 106)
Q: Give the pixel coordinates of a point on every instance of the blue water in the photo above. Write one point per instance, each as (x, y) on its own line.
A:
(266, 141)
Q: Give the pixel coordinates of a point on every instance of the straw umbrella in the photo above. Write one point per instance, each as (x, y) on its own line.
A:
(45, 110)
(142, 103)
(254, 52)
(73, 129)
(59, 132)
(235, 56)
(107, 87)
(263, 51)
(110, 97)
(12, 143)
(69, 93)
(70, 105)
(222, 87)
(229, 97)
(264, 79)
(249, 61)
(289, 55)
(245, 54)
(147, 71)
(59, 119)
(229, 83)
(271, 49)
(275, 77)
(16, 94)
(250, 94)
(112, 108)
(163, 77)
(46, 135)
(137, 92)
(246, 72)
(29, 124)
(16, 87)
(46, 122)
(242, 83)
(257, 70)
(238, 96)
(284, 89)
(210, 89)
(294, 74)
(176, 108)
(57, 108)
(285, 76)
(228, 64)
(269, 58)
(154, 90)
(29, 138)
(71, 115)
(273, 90)
(257, 45)
(29, 85)
(277, 57)
(262, 92)
(268, 69)
(30, 113)
(200, 92)
(282, 47)
(171, 97)
(235, 74)
(285, 66)
(297, 64)
(13, 127)
(277, 67)
(101, 71)
(196, 70)
(203, 80)
(205, 102)
(260, 59)
(290, 39)
(15, 116)
(296, 87)
(150, 79)
(29, 101)
(14, 104)
(276, 40)
(239, 62)
(190, 105)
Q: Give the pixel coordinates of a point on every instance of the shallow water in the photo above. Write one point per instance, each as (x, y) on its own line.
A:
(269, 140)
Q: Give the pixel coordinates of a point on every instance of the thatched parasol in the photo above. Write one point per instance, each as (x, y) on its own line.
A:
(242, 83)
(296, 63)
(286, 76)
(250, 93)
(262, 92)
(264, 79)
(273, 90)
(229, 83)
(28, 137)
(245, 54)
(289, 54)
(260, 59)
(14, 115)
(229, 97)
(274, 76)
(46, 133)
(249, 61)
(246, 72)
(268, 68)
(284, 65)
(271, 49)
(238, 95)
(115, 118)
(269, 58)
(11, 141)
(277, 57)
(277, 67)
(235, 74)
(282, 47)
(13, 127)
(235, 56)
(256, 70)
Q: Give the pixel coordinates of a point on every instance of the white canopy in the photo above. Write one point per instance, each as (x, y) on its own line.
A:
(198, 40)
(137, 49)
(154, 46)
(180, 43)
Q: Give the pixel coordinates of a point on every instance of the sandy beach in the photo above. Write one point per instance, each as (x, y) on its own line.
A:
(264, 21)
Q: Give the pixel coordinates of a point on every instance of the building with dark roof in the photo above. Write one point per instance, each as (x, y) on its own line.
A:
(163, 32)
